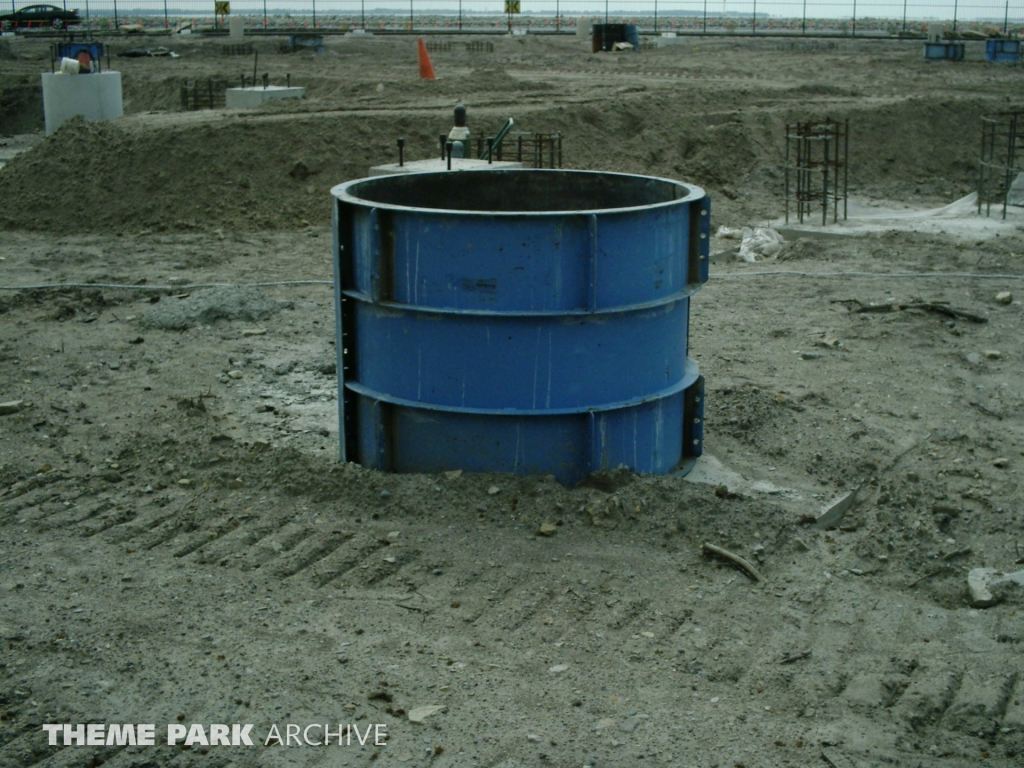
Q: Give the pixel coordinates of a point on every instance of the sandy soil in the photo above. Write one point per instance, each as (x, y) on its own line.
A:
(178, 544)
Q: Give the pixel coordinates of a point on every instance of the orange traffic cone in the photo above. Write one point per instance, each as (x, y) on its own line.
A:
(426, 69)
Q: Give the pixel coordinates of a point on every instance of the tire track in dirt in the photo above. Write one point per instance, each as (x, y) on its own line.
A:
(309, 552)
(139, 526)
(203, 536)
(71, 515)
(252, 533)
(342, 560)
(281, 541)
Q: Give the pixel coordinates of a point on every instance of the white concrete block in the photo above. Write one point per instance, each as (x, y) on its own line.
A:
(236, 28)
(95, 96)
(253, 97)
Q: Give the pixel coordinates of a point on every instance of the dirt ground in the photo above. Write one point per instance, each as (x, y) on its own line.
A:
(179, 544)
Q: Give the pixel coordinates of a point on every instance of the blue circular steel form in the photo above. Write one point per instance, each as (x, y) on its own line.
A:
(530, 321)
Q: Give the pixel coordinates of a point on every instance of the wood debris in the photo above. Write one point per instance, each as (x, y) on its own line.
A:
(736, 560)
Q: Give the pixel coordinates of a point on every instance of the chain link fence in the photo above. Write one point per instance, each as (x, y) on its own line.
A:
(778, 17)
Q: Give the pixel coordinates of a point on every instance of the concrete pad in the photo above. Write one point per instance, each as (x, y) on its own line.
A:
(252, 97)
(958, 219)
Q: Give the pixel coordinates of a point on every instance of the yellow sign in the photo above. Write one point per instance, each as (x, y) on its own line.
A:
(511, 6)
(222, 7)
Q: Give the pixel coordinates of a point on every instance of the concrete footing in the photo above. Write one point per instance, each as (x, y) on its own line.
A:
(253, 97)
(95, 96)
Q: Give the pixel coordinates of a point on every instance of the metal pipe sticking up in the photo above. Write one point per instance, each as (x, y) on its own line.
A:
(500, 135)
(459, 134)
(401, 153)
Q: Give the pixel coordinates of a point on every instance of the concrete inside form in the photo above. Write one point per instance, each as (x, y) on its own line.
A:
(437, 164)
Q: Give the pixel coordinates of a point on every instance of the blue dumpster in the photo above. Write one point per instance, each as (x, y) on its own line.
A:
(306, 41)
(605, 36)
(633, 36)
(948, 51)
(71, 50)
(529, 321)
(1006, 51)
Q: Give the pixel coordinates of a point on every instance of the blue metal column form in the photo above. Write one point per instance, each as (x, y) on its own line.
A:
(536, 323)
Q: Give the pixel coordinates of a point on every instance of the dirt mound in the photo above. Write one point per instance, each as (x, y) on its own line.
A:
(21, 104)
(716, 120)
(203, 171)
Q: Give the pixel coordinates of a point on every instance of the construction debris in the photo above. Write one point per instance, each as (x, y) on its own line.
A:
(938, 307)
(743, 564)
(988, 586)
(6, 409)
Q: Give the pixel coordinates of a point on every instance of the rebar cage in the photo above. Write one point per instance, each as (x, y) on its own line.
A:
(202, 94)
(1000, 162)
(817, 165)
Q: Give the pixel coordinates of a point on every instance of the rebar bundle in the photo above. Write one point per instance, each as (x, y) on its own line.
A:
(534, 150)
(237, 49)
(817, 164)
(1000, 162)
(200, 94)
